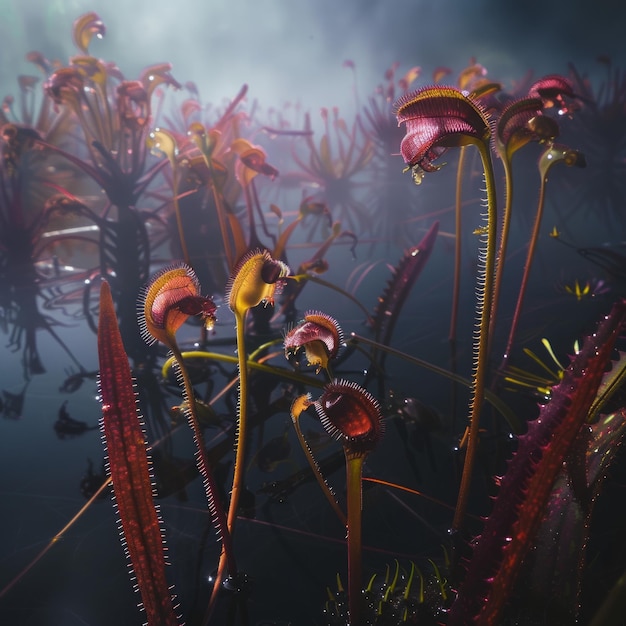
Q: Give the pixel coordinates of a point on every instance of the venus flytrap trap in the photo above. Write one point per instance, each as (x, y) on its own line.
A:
(103, 130)
(320, 336)
(353, 416)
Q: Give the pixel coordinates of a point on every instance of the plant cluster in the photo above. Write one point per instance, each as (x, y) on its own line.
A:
(157, 206)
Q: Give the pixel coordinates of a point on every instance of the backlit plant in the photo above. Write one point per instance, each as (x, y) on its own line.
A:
(193, 186)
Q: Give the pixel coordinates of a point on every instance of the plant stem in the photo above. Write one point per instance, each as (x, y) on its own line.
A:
(240, 454)
(295, 418)
(504, 237)
(210, 487)
(238, 472)
(532, 244)
(457, 256)
(481, 340)
(354, 467)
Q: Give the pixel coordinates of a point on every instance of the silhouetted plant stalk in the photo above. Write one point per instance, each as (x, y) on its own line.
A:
(115, 117)
(24, 216)
(438, 118)
(390, 303)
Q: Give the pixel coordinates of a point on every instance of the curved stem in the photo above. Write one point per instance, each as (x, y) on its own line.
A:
(202, 461)
(240, 454)
(456, 289)
(261, 367)
(481, 338)
(296, 410)
(238, 471)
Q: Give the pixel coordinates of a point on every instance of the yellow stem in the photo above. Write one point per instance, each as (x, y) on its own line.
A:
(504, 237)
(481, 342)
(227, 358)
(316, 470)
(457, 251)
(238, 472)
(240, 454)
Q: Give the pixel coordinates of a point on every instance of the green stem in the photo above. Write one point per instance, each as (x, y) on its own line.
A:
(261, 367)
(456, 288)
(354, 467)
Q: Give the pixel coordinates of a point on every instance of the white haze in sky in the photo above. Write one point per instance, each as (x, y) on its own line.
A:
(293, 50)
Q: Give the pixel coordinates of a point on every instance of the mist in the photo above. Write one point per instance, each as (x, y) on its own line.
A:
(293, 51)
